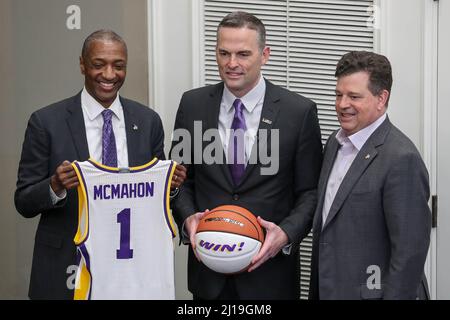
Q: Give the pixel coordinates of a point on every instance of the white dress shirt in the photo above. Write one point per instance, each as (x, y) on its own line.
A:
(350, 146)
(253, 103)
(93, 121)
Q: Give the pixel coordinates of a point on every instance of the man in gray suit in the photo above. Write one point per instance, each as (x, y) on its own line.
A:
(372, 225)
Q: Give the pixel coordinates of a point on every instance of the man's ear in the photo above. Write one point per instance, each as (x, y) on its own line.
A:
(265, 55)
(82, 68)
(383, 98)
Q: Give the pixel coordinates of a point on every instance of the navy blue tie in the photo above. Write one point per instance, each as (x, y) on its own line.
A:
(109, 151)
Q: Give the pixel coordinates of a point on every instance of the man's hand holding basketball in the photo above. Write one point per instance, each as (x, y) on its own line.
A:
(191, 225)
(275, 240)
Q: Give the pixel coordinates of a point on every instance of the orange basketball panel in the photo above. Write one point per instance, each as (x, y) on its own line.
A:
(232, 219)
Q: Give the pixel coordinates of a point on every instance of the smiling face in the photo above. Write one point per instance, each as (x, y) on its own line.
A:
(356, 106)
(104, 69)
(240, 58)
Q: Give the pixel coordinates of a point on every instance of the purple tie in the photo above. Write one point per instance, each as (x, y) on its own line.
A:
(236, 149)
(109, 151)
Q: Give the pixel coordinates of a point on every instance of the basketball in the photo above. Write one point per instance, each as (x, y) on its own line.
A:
(227, 239)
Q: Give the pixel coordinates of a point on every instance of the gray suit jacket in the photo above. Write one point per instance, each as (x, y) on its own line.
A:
(379, 221)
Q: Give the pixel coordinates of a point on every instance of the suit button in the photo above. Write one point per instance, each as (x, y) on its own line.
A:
(235, 197)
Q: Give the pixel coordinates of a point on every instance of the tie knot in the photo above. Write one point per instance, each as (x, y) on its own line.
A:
(107, 115)
(238, 105)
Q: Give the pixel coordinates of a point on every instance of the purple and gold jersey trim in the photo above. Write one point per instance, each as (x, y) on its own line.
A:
(83, 282)
(83, 207)
(118, 170)
(167, 211)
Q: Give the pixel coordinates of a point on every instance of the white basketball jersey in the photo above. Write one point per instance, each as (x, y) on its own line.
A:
(125, 232)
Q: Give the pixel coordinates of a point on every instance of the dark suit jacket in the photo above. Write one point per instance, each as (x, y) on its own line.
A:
(54, 134)
(379, 217)
(288, 198)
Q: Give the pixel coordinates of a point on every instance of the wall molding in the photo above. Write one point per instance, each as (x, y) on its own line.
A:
(154, 42)
(429, 124)
(198, 78)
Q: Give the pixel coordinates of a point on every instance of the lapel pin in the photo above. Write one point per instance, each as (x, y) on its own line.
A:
(266, 121)
(135, 127)
(367, 157)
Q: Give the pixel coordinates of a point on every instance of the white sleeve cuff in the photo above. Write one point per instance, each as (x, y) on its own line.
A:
(55, 198)
(184, 236)
(287, 249)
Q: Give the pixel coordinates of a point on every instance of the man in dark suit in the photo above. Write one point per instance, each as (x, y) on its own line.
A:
(372, 225)
(72, 130)
(284, 200)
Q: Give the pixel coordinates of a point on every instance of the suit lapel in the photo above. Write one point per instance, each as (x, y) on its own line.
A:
(330, 154)
(213, 107)
(269, 114)
(75, 122)
(212, 122)
(364, 158)
(357, 168)
(132, 130)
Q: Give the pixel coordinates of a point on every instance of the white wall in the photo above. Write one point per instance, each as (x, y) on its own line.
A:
(170, 50)
(401, 39)
(443, 154)
(406, 37)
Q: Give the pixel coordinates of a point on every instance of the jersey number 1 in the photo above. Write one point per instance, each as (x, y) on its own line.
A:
(123, 217)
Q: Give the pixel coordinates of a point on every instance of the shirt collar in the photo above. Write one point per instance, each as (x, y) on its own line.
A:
(250, 100)
(93, 108)
(359, 138)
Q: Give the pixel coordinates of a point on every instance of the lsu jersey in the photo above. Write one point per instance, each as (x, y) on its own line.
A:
(125, 232)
